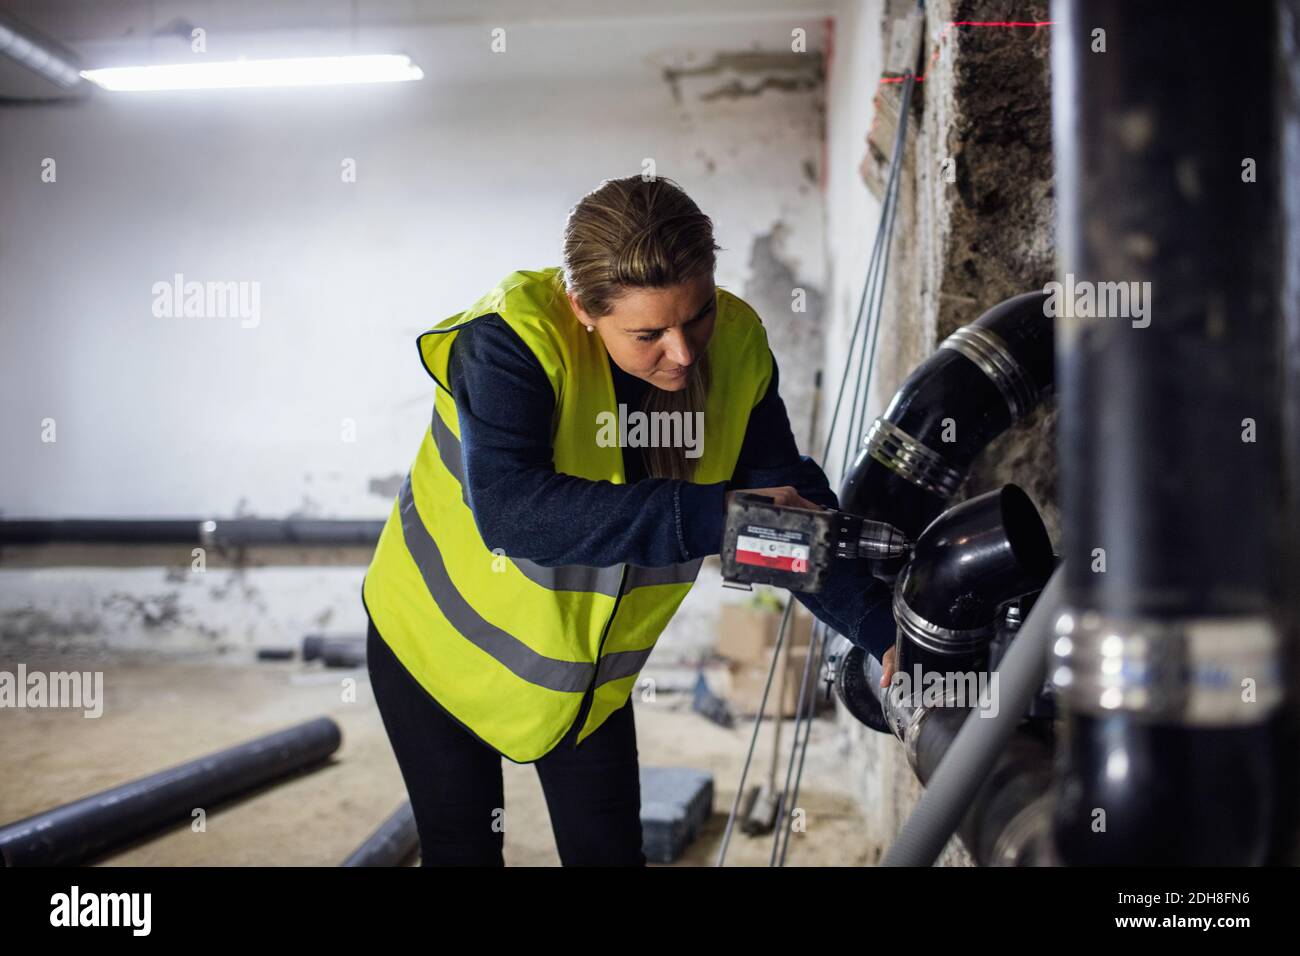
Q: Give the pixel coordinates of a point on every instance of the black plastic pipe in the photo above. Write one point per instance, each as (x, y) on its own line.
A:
(340, 654)
(970, 561)
(393, 844)
(973, 559)
(956, 780)
(1167, 655)
(100, 531)
(325, 646)
(980, 381)
(857, 682)
(234, 532)
(1286, 843)
(79, 831)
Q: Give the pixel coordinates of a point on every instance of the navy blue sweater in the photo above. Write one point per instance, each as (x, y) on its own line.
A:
(528, 510)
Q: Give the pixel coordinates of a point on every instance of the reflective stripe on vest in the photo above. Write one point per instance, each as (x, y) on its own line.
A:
(565, 577)
(509, 650)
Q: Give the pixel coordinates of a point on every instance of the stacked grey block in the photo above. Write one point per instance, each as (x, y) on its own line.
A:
(675, 803)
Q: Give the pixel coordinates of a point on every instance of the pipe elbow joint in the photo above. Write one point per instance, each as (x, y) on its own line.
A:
(981, 380)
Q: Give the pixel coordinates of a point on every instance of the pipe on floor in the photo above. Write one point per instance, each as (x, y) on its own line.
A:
(392, 844)
(84, 829)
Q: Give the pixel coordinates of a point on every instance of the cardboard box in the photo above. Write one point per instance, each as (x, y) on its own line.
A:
(747, 635)
(748, 679)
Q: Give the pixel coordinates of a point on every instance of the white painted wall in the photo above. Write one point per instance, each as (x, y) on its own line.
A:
(462, 178)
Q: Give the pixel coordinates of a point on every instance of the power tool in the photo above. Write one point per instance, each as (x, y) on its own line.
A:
(789, 547)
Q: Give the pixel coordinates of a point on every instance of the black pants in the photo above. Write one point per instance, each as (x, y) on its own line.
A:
(593, 792)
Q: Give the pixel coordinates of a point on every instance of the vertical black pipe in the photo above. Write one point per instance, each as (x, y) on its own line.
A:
(1168, 178)
(1286, 844)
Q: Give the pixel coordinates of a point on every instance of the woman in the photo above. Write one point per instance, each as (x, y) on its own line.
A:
(529, 563)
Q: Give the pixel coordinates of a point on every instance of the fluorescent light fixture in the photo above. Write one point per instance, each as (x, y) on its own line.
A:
(247, 74)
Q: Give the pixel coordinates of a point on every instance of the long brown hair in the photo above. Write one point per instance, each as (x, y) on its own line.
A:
(638, 233)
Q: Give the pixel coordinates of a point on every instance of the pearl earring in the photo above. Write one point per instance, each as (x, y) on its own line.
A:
(589, 328)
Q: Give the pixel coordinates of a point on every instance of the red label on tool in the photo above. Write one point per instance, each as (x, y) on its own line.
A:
(769, 551)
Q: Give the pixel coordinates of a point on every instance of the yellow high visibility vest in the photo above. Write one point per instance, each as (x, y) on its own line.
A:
(507, 646)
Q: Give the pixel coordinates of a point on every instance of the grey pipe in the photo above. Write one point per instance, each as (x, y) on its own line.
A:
(1005, 823)
(963, 769)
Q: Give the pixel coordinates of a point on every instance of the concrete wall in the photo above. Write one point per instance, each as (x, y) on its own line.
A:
(318, 409)
(958, 248)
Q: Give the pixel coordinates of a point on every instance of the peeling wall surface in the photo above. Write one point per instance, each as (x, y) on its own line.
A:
(318, 408)
(959, 247)
(1000, 239)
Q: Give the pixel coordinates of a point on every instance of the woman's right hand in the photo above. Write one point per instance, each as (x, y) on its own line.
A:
(786, 496)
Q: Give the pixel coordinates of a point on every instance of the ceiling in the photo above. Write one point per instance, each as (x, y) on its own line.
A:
(86, 29)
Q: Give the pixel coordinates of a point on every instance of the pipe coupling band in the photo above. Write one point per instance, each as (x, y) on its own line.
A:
(906, 704)
(987, 350)
(1194, 672)
(912, 738)
(911, 460)
(896, 704)
(932, 637)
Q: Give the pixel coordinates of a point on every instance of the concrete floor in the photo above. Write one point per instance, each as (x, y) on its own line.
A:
(160, 712)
